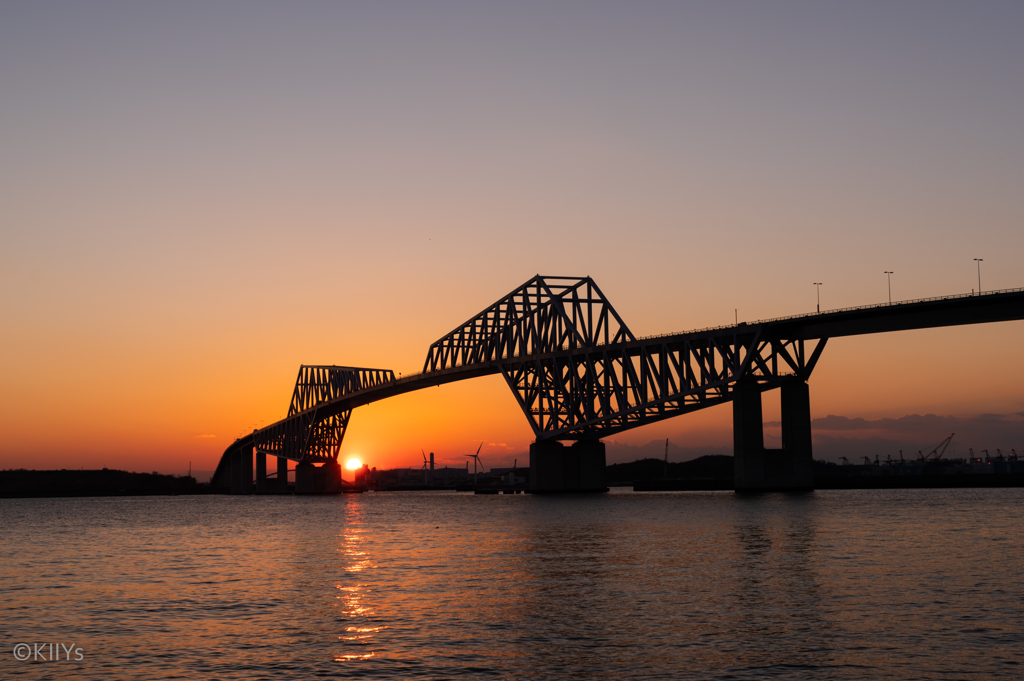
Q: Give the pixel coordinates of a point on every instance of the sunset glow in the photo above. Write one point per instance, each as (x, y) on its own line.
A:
(353, 464)
(132, 227)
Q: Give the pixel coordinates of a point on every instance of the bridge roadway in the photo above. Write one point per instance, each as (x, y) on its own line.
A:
(740, 349)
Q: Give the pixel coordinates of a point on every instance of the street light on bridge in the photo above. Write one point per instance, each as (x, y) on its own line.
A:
(979, 261)
(888, 276)
(818, 285)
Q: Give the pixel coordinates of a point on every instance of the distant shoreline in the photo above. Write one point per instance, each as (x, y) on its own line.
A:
(993, 480)
(27, 484)
(712, 473)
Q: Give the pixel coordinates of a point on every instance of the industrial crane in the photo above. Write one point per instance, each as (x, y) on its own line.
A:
(938, 450)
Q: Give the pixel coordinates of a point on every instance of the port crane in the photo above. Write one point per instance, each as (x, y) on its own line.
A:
(936, 453)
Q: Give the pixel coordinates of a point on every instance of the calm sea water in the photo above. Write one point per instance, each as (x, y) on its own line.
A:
(916, 584)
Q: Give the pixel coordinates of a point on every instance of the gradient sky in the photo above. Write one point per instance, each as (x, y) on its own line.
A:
(196, 198)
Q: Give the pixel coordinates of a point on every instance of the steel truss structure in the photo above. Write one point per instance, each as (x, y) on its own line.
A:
(576, 369)
(606, 390)
(579, 373)
(306, 435)
(543, 315)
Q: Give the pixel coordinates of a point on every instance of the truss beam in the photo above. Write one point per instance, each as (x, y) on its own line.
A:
(543, 315)
(606, 390)
(578, 372)
(307, 434)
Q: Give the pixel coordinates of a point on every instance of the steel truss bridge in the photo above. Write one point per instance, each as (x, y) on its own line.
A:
(579, 373)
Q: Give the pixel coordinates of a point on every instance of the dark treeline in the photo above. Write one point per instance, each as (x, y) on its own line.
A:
(711, 466)
(97, 483)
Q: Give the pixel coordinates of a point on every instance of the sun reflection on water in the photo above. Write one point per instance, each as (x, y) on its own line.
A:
(353, 597)
(349, 658)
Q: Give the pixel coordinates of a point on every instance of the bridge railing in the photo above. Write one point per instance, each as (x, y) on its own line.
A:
(832, 311)
(896, 304)
(771, 320)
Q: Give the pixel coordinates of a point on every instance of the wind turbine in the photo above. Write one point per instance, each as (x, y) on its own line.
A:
(476, 459)
(424, 468)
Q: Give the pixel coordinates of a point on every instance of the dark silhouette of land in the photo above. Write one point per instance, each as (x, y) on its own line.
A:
(717, 473)
(705, 473)
(93, 483)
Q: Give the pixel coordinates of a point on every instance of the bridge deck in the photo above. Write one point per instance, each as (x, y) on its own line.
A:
(994, 306)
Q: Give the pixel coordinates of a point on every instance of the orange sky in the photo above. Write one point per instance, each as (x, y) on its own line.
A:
(193, 206)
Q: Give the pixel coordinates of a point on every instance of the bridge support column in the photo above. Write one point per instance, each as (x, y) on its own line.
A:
(261, 472)
(331, 472)
(546, 466)
(556, 468)
(758, 469)
(282, 475)
(245, 470)
(305, 478)
(592, 463)
(796, 433)
(235, 472)
(747, 437)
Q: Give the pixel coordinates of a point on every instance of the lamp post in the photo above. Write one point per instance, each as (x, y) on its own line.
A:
(818, 285)
(979, 261)
(888, 276)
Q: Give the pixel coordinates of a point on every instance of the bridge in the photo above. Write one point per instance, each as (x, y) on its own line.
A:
(579, 374)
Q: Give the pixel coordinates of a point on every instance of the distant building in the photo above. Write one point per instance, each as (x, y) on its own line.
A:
(416, 477)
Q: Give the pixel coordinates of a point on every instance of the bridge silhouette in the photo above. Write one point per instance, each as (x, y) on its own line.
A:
(579, 374)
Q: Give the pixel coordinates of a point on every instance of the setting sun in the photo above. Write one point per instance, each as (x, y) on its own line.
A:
(353, 464)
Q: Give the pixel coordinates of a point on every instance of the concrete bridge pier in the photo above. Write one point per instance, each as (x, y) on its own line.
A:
(796, 432)
(790, 469)
(282, 475)
(555, 468)
(235, 472)
(305, 478)
(261, 472)
(323, 480)
(246, 470)
(241, 471)
(331, 472)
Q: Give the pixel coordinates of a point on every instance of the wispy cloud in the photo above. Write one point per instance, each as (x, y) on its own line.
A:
(912, 423)
(836, 436)
(205, 435)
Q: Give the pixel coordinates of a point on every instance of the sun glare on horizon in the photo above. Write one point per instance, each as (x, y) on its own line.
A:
(353, 464)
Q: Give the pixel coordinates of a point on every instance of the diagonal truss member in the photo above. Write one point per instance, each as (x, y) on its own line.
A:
(545, 314)
(305, 435)
(579, 373)
(609, 389)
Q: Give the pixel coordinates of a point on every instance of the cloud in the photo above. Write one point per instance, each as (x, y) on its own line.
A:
(205, 435)
(836, 436)
(911, 423)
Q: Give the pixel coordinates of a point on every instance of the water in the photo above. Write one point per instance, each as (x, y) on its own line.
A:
(915, 584)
